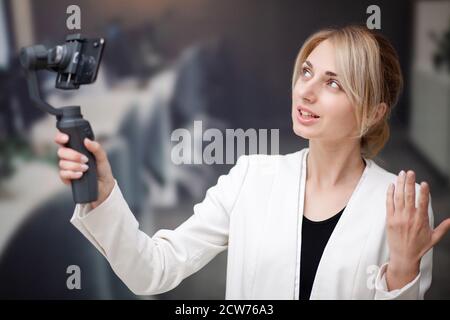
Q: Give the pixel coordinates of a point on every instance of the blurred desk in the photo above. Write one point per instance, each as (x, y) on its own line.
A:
(33, 183)
(104, 107)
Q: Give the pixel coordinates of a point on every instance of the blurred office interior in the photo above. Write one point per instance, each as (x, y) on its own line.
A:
(167, 64)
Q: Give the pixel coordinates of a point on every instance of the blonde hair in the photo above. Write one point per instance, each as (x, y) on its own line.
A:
(370, 74)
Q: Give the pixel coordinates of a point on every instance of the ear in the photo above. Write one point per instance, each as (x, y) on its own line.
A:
(381, 110)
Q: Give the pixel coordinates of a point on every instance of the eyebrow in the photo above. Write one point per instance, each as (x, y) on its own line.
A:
(328, 73)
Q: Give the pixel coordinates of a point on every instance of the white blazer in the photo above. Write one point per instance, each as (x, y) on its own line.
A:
(255, 211)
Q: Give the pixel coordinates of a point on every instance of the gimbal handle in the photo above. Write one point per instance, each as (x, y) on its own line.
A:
(70, 121)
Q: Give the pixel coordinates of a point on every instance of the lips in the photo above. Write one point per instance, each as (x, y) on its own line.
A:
(307, 112)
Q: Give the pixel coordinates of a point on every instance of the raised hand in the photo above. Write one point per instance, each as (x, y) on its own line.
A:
(409, 233)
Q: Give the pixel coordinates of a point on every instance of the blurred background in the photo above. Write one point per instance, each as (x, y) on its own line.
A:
(166, 64)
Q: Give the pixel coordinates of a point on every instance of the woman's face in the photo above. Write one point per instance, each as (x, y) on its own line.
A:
(318, 91)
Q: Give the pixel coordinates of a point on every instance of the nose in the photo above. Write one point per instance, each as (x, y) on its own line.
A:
(305, 91)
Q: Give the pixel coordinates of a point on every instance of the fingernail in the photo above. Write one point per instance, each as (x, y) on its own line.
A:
(78, 174)
(84, 167)
(402, 173)
(84, 158)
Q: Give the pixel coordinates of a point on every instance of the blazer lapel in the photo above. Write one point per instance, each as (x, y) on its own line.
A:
(276, 272)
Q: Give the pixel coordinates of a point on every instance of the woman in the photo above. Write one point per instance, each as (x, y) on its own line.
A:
(325, 222)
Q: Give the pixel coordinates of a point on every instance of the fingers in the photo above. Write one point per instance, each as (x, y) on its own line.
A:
(410, 190)
(72, 163)
(66, 153)
(71, 170)
(65, 181)
(61, 138)
(424, 198)
(390, 200)
(405, 193)
(399, 199)
(71, 155)
(70, 175)
(96, 149)
(440, 231)
(72, 166)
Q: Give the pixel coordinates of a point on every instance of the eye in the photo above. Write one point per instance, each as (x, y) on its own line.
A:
(334, 84)
(306, 72)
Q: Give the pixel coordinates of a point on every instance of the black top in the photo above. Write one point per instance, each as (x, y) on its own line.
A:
(315, 235)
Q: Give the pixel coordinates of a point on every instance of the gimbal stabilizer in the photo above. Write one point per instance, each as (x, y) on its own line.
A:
(76, 62)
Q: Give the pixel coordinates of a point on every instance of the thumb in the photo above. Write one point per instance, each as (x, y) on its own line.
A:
(96, 149)
(440, 231)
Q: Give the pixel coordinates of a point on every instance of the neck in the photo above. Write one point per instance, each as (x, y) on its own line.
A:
(333, 164)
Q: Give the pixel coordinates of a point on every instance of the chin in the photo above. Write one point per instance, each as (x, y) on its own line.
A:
(301, 132)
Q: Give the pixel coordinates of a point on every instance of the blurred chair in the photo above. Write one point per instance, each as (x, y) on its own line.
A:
(34, 263)
(123, 154)
(200, 93)
(147, 129)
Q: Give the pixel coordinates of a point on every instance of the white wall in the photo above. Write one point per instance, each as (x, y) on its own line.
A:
(430, 94)
(4, 47)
